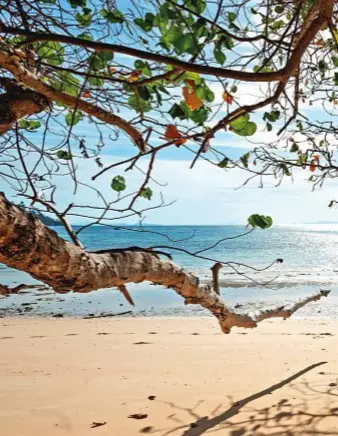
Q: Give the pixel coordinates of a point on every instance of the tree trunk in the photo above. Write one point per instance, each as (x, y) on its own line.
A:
(27, 245)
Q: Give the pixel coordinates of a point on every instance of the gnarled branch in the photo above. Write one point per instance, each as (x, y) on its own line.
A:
(12, 63)
(26, 244)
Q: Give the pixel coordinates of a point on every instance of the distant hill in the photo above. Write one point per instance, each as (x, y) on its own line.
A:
(47, 221)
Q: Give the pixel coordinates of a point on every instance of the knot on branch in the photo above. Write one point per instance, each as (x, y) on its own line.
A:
(18, 102)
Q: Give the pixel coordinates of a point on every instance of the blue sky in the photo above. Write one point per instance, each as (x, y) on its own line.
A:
(207, 194)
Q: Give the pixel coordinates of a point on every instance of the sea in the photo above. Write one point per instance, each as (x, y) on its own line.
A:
(252, 279)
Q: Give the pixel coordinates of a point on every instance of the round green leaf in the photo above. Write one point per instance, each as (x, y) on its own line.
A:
(118, 184)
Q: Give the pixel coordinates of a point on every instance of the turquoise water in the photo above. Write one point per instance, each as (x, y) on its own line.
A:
(310, 255)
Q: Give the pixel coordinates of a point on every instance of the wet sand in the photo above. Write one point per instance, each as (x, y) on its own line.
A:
(180, 377)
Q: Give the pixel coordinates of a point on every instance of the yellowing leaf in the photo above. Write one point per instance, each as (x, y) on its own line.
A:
(192, 99)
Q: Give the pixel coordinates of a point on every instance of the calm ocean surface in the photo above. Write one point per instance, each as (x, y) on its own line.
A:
(310, 255)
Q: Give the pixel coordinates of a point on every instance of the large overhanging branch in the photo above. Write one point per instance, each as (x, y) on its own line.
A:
(26, 244)
(319, 17)
(12, 63)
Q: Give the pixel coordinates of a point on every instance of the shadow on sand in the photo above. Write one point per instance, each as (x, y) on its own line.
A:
(302, 417)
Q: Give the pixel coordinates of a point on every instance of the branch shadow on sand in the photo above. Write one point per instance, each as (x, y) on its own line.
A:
(287, 418)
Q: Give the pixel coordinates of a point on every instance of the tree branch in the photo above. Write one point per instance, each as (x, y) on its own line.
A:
(11, 62)
(26, 244)
(314, 23)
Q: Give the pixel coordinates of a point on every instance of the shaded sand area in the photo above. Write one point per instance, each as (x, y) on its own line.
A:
(180, 376)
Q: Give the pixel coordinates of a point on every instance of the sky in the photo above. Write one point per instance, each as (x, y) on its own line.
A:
(206, 194)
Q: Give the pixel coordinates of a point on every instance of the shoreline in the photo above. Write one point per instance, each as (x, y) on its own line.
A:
(58, 376)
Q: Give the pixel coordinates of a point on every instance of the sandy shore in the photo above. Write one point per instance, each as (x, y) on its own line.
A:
(58, 376)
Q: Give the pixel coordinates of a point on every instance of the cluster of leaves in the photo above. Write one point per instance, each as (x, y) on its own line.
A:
(119, 184)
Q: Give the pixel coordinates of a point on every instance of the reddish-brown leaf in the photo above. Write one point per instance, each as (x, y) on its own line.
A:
(227, 97)
(172, 133)
(134, 76)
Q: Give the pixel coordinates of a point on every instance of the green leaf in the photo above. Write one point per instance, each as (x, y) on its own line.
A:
(84, 19)
(271, 116)
(100, 60)
(75, 3)
(219, 55)
(177, 112)
(113, 16)
(143, 67)
(72, 118)
(285, 169)
(279, 9)
(146, 193)
(118, 184)
(86, 36)
(147, 23)
(51, 52)
(294, 148)
(30, 125)
(322, 66)
(66, 82)
(245, 159)
(95, 81)
(223, 163)
(205, 93)
(243, 127)
(336, 78)
(62, 154)
(138, 104)
(197, 6)
(261, 221)
(199, 116)
(144, 93)
(240, 122)
(231, 17)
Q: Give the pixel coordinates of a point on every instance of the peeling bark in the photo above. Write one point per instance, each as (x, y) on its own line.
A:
(26, 244)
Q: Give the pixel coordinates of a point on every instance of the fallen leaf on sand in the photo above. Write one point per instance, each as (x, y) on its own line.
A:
(146, 429)
(138, 416)
(97, 424)
(151, 397)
